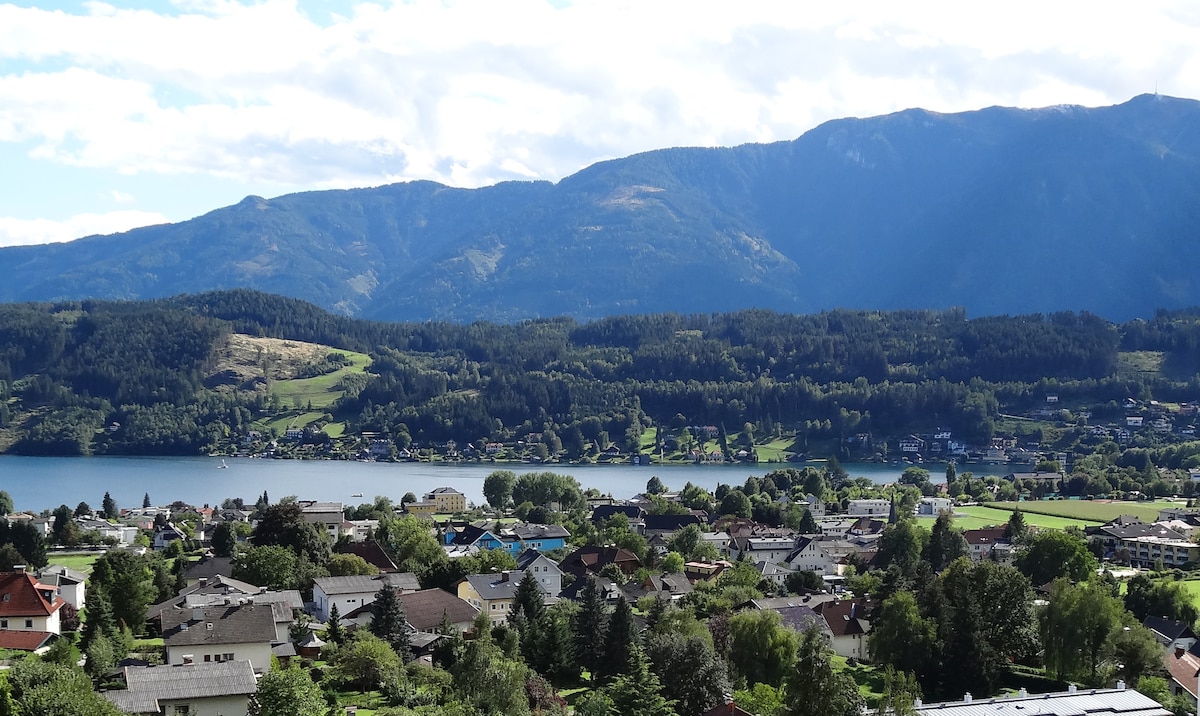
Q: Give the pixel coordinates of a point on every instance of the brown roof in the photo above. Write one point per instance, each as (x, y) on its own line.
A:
(372, 553)
(23, 640)
(22, 596)
(1183, 669)
(844, 617)
(987, 535)
(729, 709)
(592, 559)
(424, 609)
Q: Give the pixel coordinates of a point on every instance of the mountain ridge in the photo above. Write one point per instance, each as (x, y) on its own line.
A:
(998, 210)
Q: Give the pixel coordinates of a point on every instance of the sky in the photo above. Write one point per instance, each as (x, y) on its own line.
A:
(114, 116)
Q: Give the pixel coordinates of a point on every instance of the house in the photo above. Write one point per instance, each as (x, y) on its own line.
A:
(372, 553)
(328, 515)
(988, 543)
(668, 524)
(540, 537)
(480, 538)
(70, 585)
(934, 505)
(545, 570)
(444, 500)
(228, 632)
(1183, 667)
(1072, 702)
(425, 610)
(354, 591)
(199, 689)
(122, 534)
(847, 621)
(165, 535)
(695, 571)
(208, 568)
(815, 505)
(763, 549)
(493, 594)
(1118, 538)
(772, 572)
(810, 554)
(602, 513)
(27, 605)
(1170, 633)
(591, 559)
(215, 591)
(610, 592)
(359, 530)
(868, 508)
(663, 586)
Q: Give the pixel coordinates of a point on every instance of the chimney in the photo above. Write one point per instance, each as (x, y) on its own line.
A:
(1120, 684)
(1022, 693)
(19, 568)
(917, 703)
(1070, 688)
(1179, 650)
(967, 698)
(203, 581)
(197, 614)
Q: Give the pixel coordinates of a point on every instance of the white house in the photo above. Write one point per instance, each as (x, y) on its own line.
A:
(934, 505)
(71, 585)
(200, 689)
(544, 570)
(350, 593)
(229, 632)
(868, 508)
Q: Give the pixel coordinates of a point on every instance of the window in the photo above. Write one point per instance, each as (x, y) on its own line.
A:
(228, 657)
(182, 710)
(3, 623)
(208, 657)
(28, 623)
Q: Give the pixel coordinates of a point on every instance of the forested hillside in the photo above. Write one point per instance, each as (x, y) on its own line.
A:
(105, 377)
(1001, 211)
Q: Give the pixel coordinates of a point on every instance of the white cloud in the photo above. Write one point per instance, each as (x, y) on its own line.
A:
(471, 92)
(24, 232)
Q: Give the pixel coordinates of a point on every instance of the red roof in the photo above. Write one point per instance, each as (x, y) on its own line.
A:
(729, 709)
(22, 596)
(1183, 669)
(23, 640)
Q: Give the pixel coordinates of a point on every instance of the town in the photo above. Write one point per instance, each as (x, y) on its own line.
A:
(801, 591)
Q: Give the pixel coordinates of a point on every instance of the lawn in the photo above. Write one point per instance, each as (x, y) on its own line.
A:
(320, 392)
(80, 562)
(999, 515)
(1091, 510)
(967, 522)
(868, 678)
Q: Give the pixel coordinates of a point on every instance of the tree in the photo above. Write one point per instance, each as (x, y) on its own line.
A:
(735, 503)
(590, 627)
(268, 566)
(288, 692)
(620, 640)
(900, 637)
(334, 631)
(1057, 553)
(1136, 652)
(685, 541)
(813, 688)
(48, 689)
(901, 545)
(498, 488)
(388, 622)
(10, 557)
(83, 509)
(346, 565)
(145, 499)
(804, 580)
(366, 661)
(223, 540)
(655, 486)
(1075, 626)
(761, 700)
(6, 503)
(1148, 597)
(899, 691)
(638, 692)
(692, 674)
(761, 649)
(487, 680)
(946, 543)
(1015, 530)
(109, 508)
(127, 580)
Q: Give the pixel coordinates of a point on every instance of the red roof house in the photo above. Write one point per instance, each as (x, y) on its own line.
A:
(28, 608)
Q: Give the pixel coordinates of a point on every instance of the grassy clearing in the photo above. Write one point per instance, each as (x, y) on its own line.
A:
(320, 391)
(294, 420)
(1089, 510)
(963, 522)
(774, 450)
(1139, 363)
(80, 562)
(868, 678)
(1000, 515)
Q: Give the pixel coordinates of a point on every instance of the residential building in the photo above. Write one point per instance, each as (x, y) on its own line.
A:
(372, 553)
(1170, 633)
(988, 543)
(763, 549)
(425, 610)
(208, 568)
(443, 500)
(228, 632)
(545, 570)
(198, 689)
(539, 537)
(328, 515)
(1147, 551)
(1072, 702)
(352, 592)
(493, 594)
(663, 586)
(27, 605)
(591, 559)
(815, 505)
(359, 530)
(868, 508)
(69, 584)
(848, 624)
(934, 505)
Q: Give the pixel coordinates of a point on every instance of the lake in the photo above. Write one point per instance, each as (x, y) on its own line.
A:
(38, 483)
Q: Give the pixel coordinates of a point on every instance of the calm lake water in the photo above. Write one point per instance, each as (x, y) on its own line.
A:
(37, 483)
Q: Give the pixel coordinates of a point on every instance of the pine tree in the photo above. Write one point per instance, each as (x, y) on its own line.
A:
(528, 601)
(146, 500)
(109, 507)
(556, 654)
(334, 631)
(638, 692)
(619, 642)
(388, 622)
(591, 626)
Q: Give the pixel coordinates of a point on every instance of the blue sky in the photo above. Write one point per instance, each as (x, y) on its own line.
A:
(119, 115)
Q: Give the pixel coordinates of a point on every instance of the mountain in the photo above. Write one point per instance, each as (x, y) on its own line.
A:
(999, 211)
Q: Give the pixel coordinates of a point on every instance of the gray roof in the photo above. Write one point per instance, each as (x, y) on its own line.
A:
(209, 567)
(495, 586)
(444, 491)
(528, 532)
(147, 685)
(530, 556)
(363, 584)
(1062, 703)
(56, 571)
(217, 590)
(228, 624)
